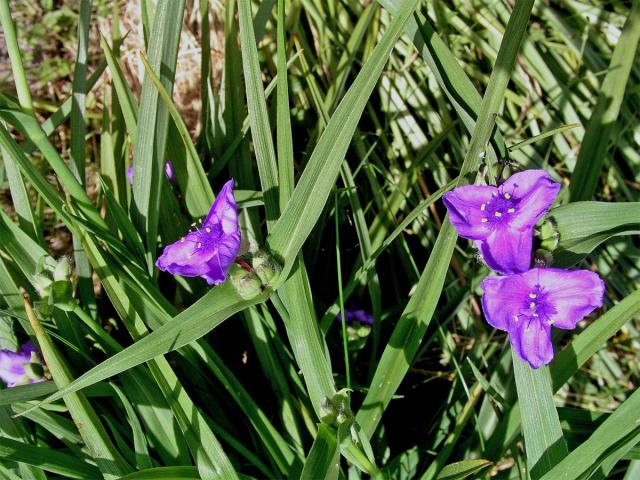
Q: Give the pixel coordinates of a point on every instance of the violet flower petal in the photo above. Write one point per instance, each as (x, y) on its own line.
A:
(531, 339)
(574, 294)
(169, 172)
(533, 192)
(502, 298)
(209, 251)
(507, 251)
(12, 366)
(465, 214)
(358, 315)
(185, 258)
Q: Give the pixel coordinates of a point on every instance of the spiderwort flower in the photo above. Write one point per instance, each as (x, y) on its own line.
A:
(168, 171)
(357, 315)
(209, 251)
(528, 304)
(501, 219)
(21, 367)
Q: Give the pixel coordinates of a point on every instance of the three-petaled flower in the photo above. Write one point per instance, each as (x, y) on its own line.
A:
(209, 251)
(528, 304)
(22, 367)
(501, 219)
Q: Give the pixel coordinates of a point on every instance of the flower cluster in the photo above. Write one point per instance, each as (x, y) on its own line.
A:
(22, 367)
(208, 251)
(523, 302)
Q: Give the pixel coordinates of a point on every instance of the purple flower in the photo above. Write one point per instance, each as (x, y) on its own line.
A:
(527, 304)
(501, 219)
(129, 174)
(21, 367)
(168, 171)
(209, 251)
(359, 316)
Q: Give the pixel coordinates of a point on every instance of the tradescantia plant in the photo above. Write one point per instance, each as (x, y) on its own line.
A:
(274, 289)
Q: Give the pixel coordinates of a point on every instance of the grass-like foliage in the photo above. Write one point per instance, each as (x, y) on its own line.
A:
(350, 333)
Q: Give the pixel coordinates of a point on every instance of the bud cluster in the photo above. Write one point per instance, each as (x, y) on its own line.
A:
(53, 283)
(250, 279)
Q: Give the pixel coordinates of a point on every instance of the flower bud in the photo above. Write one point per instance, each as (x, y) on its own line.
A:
(266, 268)
(246, 283)
(328, 412)
(62, 270)
(42, 284)
(33, 371)
(549, 236)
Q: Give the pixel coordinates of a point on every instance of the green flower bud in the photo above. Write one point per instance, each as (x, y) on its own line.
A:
(247, 284)
(549, 236)
(42, 284)
(266, 268)
(328, 412)
(34, 371)
(62, 270)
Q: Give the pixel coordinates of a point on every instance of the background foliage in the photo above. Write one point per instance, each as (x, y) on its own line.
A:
(342, 124)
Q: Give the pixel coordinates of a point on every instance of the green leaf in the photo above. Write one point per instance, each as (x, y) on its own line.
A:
(170, 473)
(202, 317)
(46, 459)
(582, 226)
(317, 180)
(284, 140)
(450, 76)
(604, 118)
(192, 179)
(107, 458)
(543, 439)
(258, 114)
(323, 460)
(153, 123)
(126, 101)
(582, 461)
(460, 470)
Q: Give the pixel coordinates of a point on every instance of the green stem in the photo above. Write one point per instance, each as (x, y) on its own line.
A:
(344, 320)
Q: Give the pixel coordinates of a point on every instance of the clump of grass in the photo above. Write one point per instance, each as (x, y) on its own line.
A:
(342, 124)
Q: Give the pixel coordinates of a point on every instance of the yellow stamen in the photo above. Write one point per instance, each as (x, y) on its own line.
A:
(199, 244)
(511, 210)
(208, 230)
(532, 305)
(483, 206)
(536, 315)
(494, 194)
(484, 220)
(498, 214)
(507, 196)
(182, 239)
(532, 295)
